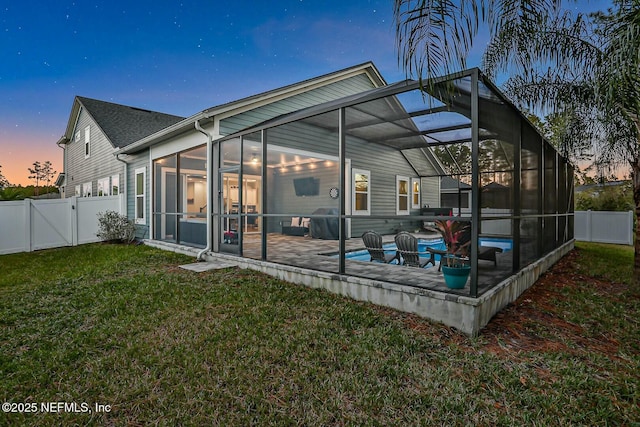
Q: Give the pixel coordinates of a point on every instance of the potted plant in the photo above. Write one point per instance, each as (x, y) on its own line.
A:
(455, 264)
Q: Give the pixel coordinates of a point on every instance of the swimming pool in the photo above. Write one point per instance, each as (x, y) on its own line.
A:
(363, 255)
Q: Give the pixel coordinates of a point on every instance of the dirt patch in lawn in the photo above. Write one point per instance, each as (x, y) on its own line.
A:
(535, 322)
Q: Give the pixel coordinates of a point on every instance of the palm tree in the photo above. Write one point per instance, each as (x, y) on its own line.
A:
(583, 69)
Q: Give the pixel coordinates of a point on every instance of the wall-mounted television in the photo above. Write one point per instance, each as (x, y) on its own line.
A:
(306, 186)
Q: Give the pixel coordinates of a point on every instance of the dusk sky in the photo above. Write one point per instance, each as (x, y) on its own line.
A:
(173, 57)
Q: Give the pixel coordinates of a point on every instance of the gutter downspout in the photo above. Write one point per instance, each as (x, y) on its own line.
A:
(126, 176)
(209, 182)
(63, 140)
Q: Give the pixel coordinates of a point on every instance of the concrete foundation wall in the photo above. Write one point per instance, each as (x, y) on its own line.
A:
(469, 315)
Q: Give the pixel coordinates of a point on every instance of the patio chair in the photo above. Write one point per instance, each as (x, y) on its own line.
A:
(373, 243)
(407, 245)
(486, 253)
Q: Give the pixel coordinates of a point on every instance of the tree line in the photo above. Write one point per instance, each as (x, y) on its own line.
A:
(41, 173)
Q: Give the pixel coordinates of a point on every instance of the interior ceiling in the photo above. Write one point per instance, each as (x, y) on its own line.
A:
(277, 158)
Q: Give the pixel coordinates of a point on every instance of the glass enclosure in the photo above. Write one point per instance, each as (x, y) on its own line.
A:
(180, 202)
(302, 183)
(301, 189)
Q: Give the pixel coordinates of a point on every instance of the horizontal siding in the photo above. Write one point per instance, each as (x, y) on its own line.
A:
(301, 136)
(431, 191)
(383, 162)
(283, 200)
(296, 102)
(101, 163)
(420, 161)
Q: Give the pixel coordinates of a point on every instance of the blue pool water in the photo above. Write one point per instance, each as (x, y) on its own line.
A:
(363, 255)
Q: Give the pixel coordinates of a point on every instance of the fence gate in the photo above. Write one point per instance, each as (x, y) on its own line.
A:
(28, 225)
(50, 224)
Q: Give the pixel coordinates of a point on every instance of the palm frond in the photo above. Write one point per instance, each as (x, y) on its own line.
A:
(434, 36)
(620, 74)
(562, 42)
(547, 91)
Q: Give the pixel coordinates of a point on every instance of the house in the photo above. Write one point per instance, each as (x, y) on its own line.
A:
(598, 188)
(95, 130)
(454, 193)
(286, 181)
(180, 205)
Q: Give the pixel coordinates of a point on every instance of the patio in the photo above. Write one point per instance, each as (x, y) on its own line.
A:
(322, 255)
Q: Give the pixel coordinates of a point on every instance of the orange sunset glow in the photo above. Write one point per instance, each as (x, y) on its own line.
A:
(19, 151)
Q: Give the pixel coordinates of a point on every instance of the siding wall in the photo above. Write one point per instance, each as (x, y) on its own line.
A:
(100, 164)
(336, 90)
(282, 197)
(384, 164)
(430, 189)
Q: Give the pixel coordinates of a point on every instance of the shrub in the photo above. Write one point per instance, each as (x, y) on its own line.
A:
(115, 227)
(603, 198)
(11, 193)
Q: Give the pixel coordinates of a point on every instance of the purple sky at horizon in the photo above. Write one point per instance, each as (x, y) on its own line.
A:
(178, 58)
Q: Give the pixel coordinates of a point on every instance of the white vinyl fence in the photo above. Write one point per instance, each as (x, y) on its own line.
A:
(28, 225)
(589, 226)
(604, 227)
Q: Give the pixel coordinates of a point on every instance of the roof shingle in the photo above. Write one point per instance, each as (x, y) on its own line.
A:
(124, 125)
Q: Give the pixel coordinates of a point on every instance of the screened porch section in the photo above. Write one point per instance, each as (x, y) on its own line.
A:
(396, 159)
(180, 197)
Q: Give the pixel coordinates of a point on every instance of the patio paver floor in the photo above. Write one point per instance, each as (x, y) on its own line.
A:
(307, 252)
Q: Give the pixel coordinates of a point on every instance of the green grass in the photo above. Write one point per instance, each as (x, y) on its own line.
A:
(121, 325)
(609, 262)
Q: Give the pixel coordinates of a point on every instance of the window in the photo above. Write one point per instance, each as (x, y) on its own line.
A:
(361, 192)
(87, 139)
(402, 195)
(103, 187)
(86, 189)
(140, 196)
(415, 193)
(115, 185)
(78, 192)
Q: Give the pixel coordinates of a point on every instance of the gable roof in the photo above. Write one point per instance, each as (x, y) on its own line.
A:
(368, 67)
(601, 186)
(230, 108)
(448, 183)
(121, 124)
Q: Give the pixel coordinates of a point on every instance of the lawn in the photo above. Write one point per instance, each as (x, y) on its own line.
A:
(124, 326)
